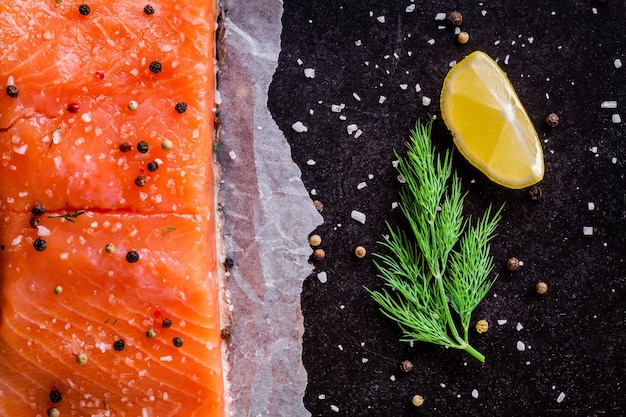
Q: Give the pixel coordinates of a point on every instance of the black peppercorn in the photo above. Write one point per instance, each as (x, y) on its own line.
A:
(167, 322)
(84, 9)
(132, 256)
(126, 147)
(12, 91)
(156, 67)
(34, 222)
(55, 396)
(177, 341)
(40, 244)
(153, 166)
(119, 345)
(535, 193)
(181, 107)
(38, 209)
(229, 262)
(148, 9)
(140, 181)
(142, 146)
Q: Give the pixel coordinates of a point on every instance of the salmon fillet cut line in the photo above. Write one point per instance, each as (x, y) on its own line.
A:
(109, 281)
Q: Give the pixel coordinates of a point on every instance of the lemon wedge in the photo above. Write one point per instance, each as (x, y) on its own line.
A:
(489, 124)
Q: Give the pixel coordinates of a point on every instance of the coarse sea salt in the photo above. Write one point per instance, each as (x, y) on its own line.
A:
(334, 408)
(299, 127)
(616, 118)
(309, 72)
(617, 63)
(440, 16)
(322, 277)
(358, 216)
(410, 8)
(475, 393)
(521, 346)
(588, 230)
(501, 322)
(351, 128)
(426, 101)
(561, 397)
(608, 104)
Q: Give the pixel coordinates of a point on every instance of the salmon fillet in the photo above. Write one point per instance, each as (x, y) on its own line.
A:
(109, 292)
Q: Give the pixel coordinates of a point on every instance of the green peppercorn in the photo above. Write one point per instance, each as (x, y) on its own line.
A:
(156, 67)
(151, 333)
(84, 9)
(166, 145)
(81, 359)
(142, 146)
(55, 396)
(148, 9)
(12, 91)
(119, 345)
(132, 256)
(132, 105)
(177, 341)
(40, 244)
(181, 107)
(109, 248)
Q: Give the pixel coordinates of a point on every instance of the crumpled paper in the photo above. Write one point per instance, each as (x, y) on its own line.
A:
(268, 216)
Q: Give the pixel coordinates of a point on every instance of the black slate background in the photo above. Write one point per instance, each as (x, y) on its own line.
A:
(575, 334)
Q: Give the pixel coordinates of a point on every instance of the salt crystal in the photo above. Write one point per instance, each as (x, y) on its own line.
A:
(232, 154)
(335, 108)
(588, 230)
(382, 99)
(381, 19)
(351, 129)
(440, 16)
(475, 393)
(299, 61)
(426, 101)
(299, 127)
(609, 104)
(43, 231)
(356, 96)
(614, 160)
(501, 322)
(310, 162)
(451, 64)
(394, 205)
(531, 39)
(361, 185)
(403, 86)
(309, 72)
(392, 377)
(321, 397)
(410, 8)
(431, 41)
(85, 117)
(364, 360)
(519, 327)
(323, 277)
(358, 42)
(358, 133)
(358, 216)
(617, 63)
(561, 397)
(506, 60)
(594, 149)
(615, 118)
(334, 408)
(591, 205)
(521, 346)
(418, 88)
(594, 10)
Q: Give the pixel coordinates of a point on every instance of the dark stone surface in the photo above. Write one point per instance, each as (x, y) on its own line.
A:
(575, 334)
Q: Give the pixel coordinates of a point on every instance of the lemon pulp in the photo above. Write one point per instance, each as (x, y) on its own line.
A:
(489, 124)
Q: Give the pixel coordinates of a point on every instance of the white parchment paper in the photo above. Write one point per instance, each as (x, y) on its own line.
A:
(267, 219)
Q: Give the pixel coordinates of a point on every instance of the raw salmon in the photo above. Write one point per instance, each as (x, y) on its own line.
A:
(109, 292)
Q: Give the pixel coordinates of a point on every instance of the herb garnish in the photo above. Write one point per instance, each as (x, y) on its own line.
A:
(68, 216)
(168, 229)
(444, 263)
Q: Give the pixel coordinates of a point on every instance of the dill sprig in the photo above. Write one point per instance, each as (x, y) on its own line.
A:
(68, 216)
(443, 263)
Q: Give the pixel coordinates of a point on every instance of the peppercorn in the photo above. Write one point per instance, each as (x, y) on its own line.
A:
(463, 38)
(40, 244)
(73, 107)
(12, 91)
(406, 366)
(126, 147)
(34, 222)
(456, 18)
(148, 9)
(319, 254)
(156, 67)
(58, 290)
(167, 322)
(535, 193)
(142, 146)
(153, 166)
(132, 105)
(541, 287)
(141, 181)
(552, 120)
(166, 145)
(226, 333)
(512, 264)
(229, 263)
(132, 256)
(180, 107)
(417, 400)
(177, 341)
(119, 345)
(109, 248)
(482, 326)
(55, 396)
(81, 359)
(315, 240)
(38, 209)
(151, 333)
(84, 9)
(318, 205)
(53, 412)
(360, 252)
